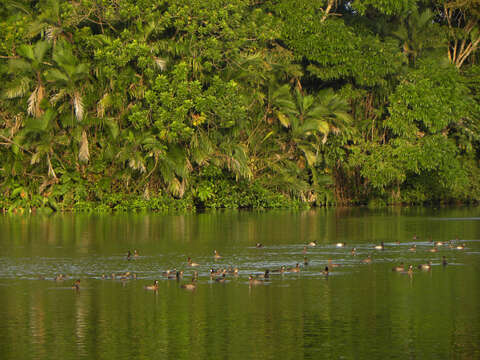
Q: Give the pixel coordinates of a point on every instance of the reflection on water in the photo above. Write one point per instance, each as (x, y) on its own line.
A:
(359, 310)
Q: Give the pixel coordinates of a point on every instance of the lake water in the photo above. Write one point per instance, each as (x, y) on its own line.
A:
(360, 310)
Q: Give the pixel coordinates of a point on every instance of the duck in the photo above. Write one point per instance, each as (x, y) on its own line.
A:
(191, 263)
(413, 248)
(220, 279)
(259, 245)
(460, 247)
(129, 255)
(414, 237)
(444, 261)
(312, 243)
(305, 249)
(265, 275)
(76, 285)
(189, 286)
(368, 260)
(281, 270)
(439, 243)
(325, 271)
(254, 281)
(295, 269)
(426, 266)
(60, 277)
(216, 255)
(380, 247)
(341, 244)
(125, 276)
(332, 265)
(433, 250)
(135, 253)
(409, 271)
(152, 287)
(400, 268)
(168, 272)
(354, 251)
(233, 271)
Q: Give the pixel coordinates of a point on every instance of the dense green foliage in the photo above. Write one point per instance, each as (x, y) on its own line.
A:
(184, 104)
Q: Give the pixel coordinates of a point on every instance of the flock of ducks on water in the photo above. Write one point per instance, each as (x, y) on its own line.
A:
(220, 275)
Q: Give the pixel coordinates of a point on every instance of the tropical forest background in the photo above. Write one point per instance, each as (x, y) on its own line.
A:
(185, 104)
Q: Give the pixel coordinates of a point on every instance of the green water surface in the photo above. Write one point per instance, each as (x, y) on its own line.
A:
(358, 311)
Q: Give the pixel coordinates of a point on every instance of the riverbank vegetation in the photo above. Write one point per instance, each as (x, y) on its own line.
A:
(159, 105)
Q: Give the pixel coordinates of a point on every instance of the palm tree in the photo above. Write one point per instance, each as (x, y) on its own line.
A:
(28, 73)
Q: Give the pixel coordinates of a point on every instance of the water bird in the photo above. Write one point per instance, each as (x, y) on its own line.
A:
(439, 243)
(414, 237)
(191, 263)
(305, 249)
(216, 255)
(221, 279)
(400, 268)
(265, 275)
(433, 250)
(295, 269)
(233, 271)
(152, 287)
(281, 270)
(59, 277)
(129, 255)
(426, 266)
(325, 271)
(190, 286)
(312, 243)
(254, 281)
(332, 265)
(461, 247)
(135, 253)
(413, 248)
(409, 271)
(258, 245)
(368, 260)
(380, 247)
(341, 244)
(444, 261)
(353, 251)
(76, 285)
(305, 260)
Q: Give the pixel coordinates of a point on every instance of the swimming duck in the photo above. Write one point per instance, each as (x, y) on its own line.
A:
(444, 261)
(413, 248)
(312, 243)
(341, 244)
(76, 285)
(380, 247)
(191, 263)
(281, 270)
(258, 245)
(325, 271)
(135, 253)
(233, 271)
(254, 281)
(332, 265)
(152, 287)
(220, 279)
(433, 250)
(216, 254)
(461, 247)
(189, 286)
(409, 271)
(265, 275)
(59, 277)
(368, 260)
(353, 251)
(425, 267)
(400, 268)
(439, 243)
(295, 269)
